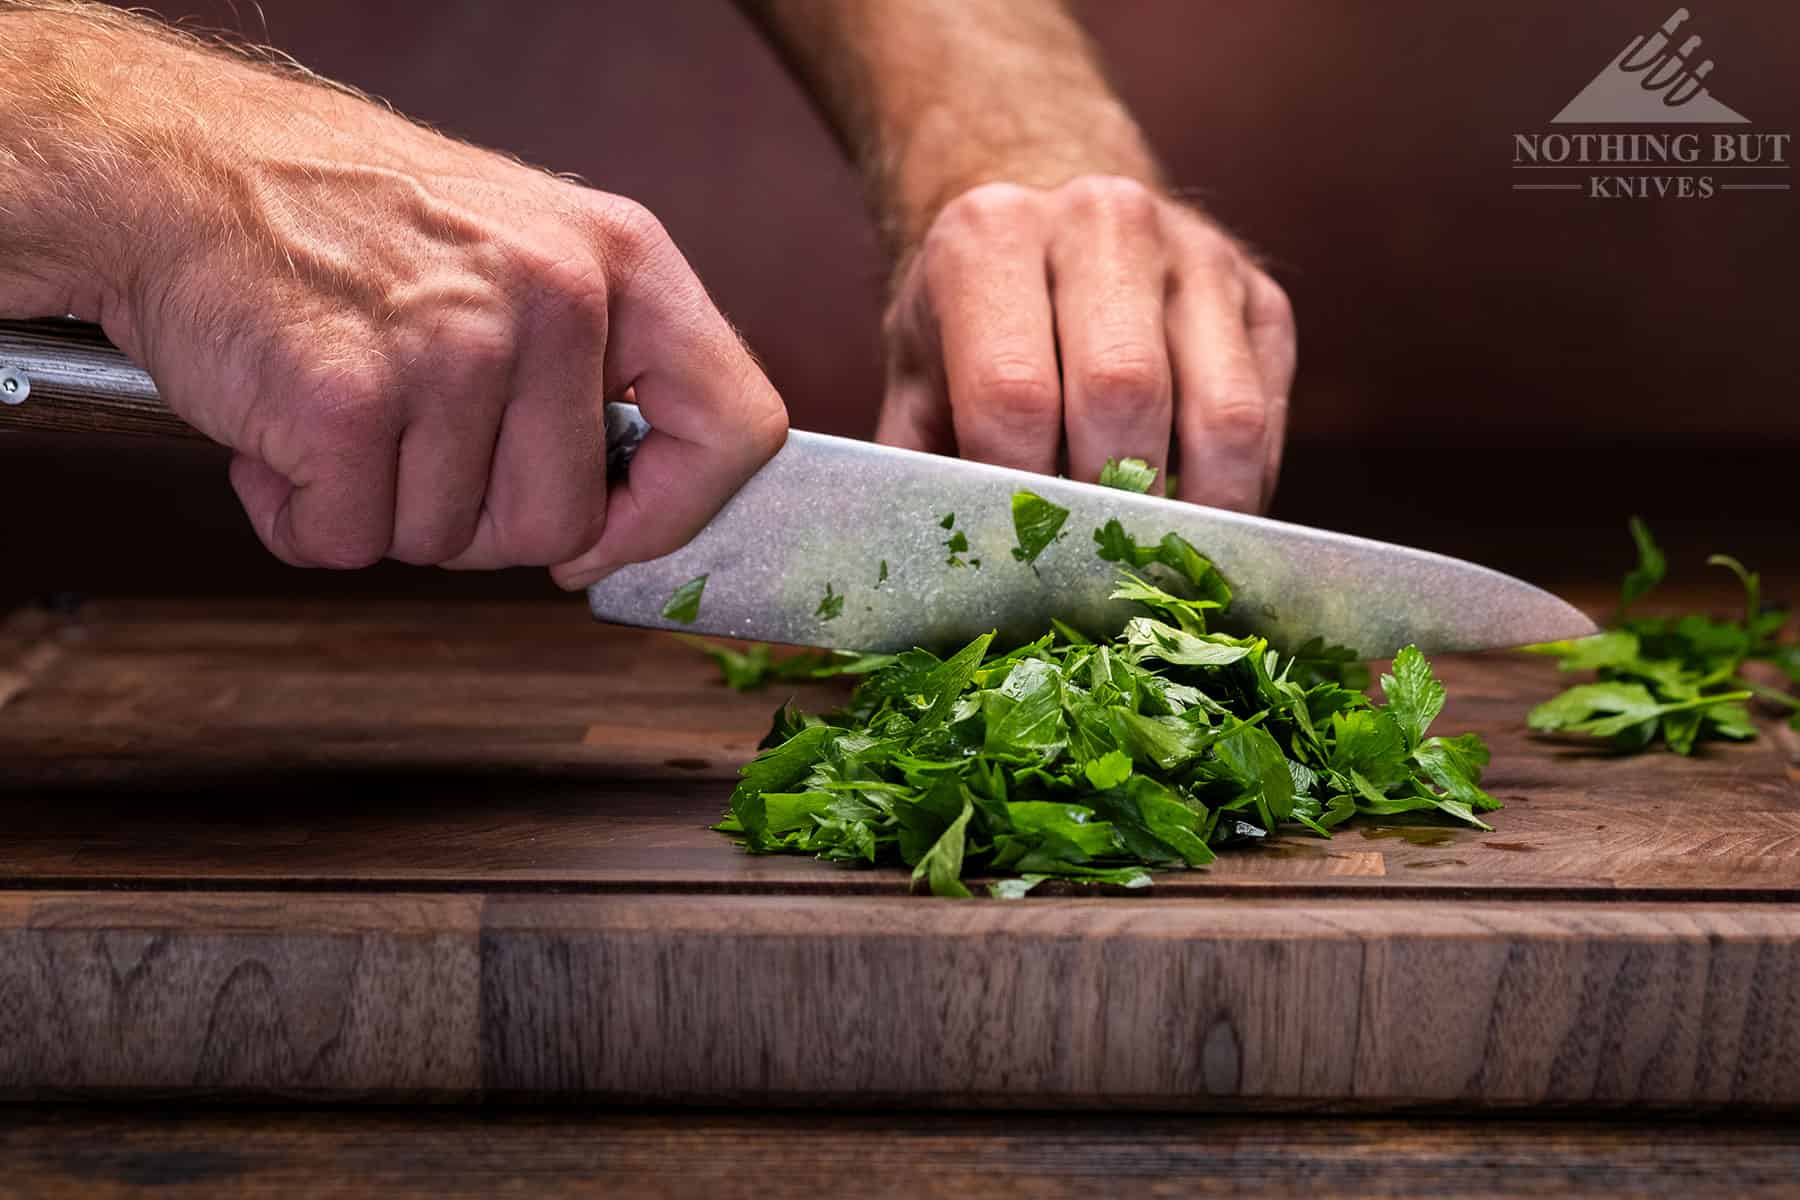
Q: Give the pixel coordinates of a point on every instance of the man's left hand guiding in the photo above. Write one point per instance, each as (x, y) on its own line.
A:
(1053, 328)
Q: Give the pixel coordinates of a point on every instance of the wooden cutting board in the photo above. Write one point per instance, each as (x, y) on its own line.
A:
(413, 852)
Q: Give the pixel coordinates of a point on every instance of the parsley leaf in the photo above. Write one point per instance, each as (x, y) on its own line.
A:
(1677, 679)
(684, 601)
(1113, 544)
(1414, 696)
(831, 605)
(1036, 523)
(1128, 474)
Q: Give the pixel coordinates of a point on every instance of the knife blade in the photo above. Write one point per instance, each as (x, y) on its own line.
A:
(830, 511)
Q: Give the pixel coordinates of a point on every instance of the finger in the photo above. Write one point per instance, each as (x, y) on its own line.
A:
(915, 403)
(715, 419)
(448, 448)
(1221, 414)
(915, 415)
(1274, 343)
(1110, 291)
(986, 276)
(545, 493)
(325, 497)
(263, 492)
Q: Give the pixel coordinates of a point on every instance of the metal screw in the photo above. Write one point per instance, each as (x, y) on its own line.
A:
(15, 385)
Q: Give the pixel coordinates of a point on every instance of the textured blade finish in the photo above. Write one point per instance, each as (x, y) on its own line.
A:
(830, 510)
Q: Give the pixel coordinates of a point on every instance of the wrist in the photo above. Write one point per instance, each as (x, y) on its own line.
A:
(947, 155)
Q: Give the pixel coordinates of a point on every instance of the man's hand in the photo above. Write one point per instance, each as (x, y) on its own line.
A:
(1053, 307)
(1097, 319)
(408, 341)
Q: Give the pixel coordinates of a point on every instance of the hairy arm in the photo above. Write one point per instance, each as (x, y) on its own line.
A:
(934, 97)
(1054, 306)
(407, 340)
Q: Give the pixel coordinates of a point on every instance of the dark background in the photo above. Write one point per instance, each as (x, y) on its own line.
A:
(1494, 374)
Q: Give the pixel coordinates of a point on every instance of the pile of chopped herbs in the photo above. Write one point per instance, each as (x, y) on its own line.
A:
(1097, 762)
(1674, 680)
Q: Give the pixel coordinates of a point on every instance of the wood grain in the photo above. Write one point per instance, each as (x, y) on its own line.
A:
(98, 1155)
(81, 383)
(1164, 1003)
(288, 745)
(276, 995)
(402, 852)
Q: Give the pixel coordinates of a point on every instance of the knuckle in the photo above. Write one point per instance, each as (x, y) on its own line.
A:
(543, 539)
(1215, 253)
(1112, 198)
(988, 206)
(1132, 380)
(569, 285)
(767, 431)
(1270, 304)
(433, 547)
(631, 228)
(341, 549)
(1016, 393)
(468, 343)
(354, 409)
(1239, 421)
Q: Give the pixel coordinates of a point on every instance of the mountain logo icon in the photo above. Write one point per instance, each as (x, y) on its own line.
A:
(1652, 82)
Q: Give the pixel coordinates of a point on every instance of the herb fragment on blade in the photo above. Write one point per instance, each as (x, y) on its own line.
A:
(1036, 524)
(1680, 680)
(831, 605)
(756, 666)
(1128, 474)
(684, 601)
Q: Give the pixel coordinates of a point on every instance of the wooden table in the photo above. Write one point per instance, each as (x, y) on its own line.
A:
(404, 853)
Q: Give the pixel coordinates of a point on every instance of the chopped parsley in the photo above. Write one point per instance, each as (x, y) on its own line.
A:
(1036, 524)
(1100, 762)
(684, 601)
(1128, 474)
(831, 605)
(1675, 680)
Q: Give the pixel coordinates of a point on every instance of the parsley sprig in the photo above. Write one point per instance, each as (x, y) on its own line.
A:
(1677, 680)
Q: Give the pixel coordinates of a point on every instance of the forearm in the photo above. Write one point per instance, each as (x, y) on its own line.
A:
(114, 146)
(61, 153)
(934, 97)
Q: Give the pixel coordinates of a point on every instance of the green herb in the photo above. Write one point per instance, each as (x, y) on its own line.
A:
(882, 577)
(756, 666)
(1036, 523)
(957, 544)
(1678, 680)
(948, 521)
(684, 601)
(831, 605)
(1099, 762)
(1128, 474)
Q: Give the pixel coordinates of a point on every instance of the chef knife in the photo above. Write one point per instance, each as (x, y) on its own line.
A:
(873, 526)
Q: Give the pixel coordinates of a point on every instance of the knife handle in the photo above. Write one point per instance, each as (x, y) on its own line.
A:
(65, 377)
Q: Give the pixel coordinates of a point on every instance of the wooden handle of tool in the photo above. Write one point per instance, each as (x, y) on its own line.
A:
(65, 377)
